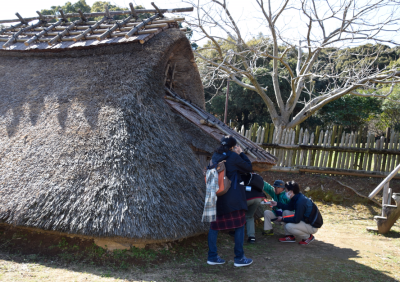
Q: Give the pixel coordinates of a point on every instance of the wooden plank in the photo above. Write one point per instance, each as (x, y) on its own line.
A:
(353, 162)
(385, 194)
(271, 133)
(290, 157)
(332, 143)
(322, 153)
(372, 145)
(377, 145)
(358, 162)
(320, 140)
(100, 14)
(317, 130)
(385, 146)
(299, 142)
(395, 141)
(310, 152)
(266, 133)
(344, 172)
(338, 139)
(325, 164)
(296, 139)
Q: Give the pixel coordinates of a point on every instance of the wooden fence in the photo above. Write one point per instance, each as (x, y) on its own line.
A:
(331, 151)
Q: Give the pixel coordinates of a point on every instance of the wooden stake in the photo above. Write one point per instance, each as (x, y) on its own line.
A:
(133, 12)
(82, 15)
(14, 37)
(21, 19)
(135, 29)
(158, 10)
(43, 32)
(65, 32)
(83, 34)
(111, 30)
(62, 15)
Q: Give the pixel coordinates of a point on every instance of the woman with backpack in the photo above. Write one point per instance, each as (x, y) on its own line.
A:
(232, 206)
(304, 221)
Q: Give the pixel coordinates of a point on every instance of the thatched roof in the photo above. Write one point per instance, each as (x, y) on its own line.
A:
(89, 145)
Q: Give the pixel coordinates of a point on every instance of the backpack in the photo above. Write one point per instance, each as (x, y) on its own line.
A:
(223, 181)
(254, 180)
(315, 218)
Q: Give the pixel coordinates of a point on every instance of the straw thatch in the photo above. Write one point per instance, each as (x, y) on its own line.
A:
(90, 147)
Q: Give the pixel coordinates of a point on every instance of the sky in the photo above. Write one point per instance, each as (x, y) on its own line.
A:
(245, 12)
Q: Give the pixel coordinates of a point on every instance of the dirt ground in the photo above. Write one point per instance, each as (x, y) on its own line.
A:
(343, 249)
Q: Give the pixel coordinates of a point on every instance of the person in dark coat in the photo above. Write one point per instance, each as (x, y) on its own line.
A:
(296, 223)
(232, 206)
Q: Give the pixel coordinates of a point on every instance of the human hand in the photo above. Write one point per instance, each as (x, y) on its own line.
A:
(279, 219)
(237, 149)
(273, 204)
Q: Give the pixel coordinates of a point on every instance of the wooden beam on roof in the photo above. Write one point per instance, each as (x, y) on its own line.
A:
(43, 32)
(99, 14)
(158, 10)
(136, 28)
(21, 19)
(75, 31)
(116, 25)
(14, 37)
(83, 34)
(40, 16)
(13, 27)
(133, 11)
(82, 15)
(62, 15)
(92, 37)
(65, 32)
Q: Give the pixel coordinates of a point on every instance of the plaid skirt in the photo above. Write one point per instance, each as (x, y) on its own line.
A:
(230, 220)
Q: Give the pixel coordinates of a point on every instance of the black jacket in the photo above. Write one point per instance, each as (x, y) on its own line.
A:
(235, 198)
(301, 205)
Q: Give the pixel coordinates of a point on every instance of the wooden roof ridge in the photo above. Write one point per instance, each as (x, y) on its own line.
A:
(249, 147)
(105, 30)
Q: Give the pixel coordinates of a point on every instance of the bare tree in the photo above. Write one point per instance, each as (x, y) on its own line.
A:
(329, 25)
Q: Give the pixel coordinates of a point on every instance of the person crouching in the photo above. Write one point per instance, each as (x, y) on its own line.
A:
(305, 220)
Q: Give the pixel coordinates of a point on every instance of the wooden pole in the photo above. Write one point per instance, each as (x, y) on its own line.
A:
(83, 34)
(386, 180)
(135, 29)
(14, 37)
(158, 10)
(133, 12)
(116, 25)
(43, 32)
(13, 27)
(62, 34)
(385, 146)
(332, 143)
(102, 14)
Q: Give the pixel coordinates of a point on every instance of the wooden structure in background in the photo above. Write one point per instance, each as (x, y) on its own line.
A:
(82, 33)
(332, 151)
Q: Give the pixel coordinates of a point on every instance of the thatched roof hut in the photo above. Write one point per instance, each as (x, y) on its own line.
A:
(89, 146)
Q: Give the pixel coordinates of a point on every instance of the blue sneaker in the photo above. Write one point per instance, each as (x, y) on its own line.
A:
(243, 262)
(215, 261)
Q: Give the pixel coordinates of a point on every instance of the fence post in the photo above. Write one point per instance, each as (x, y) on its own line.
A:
(315, 143)
(266, 133)
(359, 140)
(271, 133)
(385, 147)
(332, 142)
(296, 141)
(339, 136)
